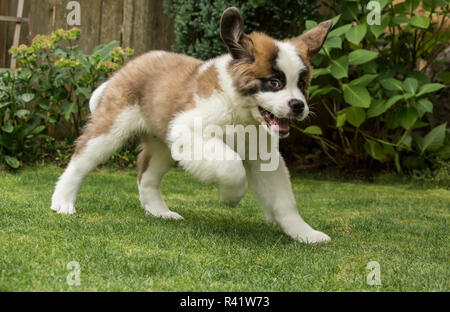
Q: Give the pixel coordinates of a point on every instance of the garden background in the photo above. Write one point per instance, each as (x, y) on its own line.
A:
(369, 168)
(378, 96)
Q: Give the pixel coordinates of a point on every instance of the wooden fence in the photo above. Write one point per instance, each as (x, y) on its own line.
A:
(138, 24)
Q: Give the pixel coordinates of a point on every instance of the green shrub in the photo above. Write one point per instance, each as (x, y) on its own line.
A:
(368, 81)
(439, 175)
(47, 97)
(197, 21)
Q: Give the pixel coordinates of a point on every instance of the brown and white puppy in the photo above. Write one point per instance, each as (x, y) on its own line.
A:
(262, 81)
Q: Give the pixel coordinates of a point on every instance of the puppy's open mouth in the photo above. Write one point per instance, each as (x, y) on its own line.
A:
(273, 121)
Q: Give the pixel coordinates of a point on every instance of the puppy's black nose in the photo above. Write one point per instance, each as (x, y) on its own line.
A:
(297, 106)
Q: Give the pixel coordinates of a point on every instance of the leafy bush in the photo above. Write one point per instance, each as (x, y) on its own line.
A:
(197, 21)
(371, 81)
(439, 175)
(47, 97)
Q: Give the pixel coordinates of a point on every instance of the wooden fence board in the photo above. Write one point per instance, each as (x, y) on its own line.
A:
(160, 30)
(138, 24)
(9, 8)
(3, 34)
(127, 27)
(17, 30)
(112, 19)
(140, 31)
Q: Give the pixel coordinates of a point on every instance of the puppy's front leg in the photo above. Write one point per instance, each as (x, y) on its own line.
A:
(217, 163)
(273, 191)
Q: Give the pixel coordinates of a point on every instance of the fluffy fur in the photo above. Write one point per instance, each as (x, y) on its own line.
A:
(261, 81)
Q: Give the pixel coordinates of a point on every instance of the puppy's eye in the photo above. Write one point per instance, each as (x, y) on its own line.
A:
(301, 85)
(275, 83)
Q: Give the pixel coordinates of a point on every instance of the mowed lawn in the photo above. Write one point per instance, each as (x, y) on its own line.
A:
(404, 227)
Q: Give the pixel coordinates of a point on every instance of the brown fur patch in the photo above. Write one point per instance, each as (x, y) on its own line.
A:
(301, 47)
(169, 86)
(246, 75)
(208, 82)
(161, 85)
(143, 162)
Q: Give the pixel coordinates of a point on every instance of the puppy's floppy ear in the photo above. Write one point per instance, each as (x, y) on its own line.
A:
(314, 38)
(239, 44)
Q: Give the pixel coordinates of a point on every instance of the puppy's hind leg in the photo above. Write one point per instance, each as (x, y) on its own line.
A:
(102, 137)
(153, 163)
(274, 192)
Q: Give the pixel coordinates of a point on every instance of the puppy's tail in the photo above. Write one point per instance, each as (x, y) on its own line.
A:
(97, 96)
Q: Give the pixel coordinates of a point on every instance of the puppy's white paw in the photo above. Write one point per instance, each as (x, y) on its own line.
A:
(232, 196)
(164, 214)
(64, 208)
(228, 200)
(313, 237)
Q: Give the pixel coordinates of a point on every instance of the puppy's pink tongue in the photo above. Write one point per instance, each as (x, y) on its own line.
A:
(283, 125)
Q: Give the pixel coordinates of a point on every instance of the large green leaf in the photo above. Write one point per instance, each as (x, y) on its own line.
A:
(8, 128)
(392, 84)
(339, 31)
(392, 101)
(434, 139)
(361, 56)
(12, 162)
(430, 88)
(410, 85)
(419, 21)
(340, 119)
(400, 19)
(375, 150)
(405, 141)
(83, 91)
(407, 117)
(27, 97)
(356, 96)
(333, 43)
(22, 113)
(69, 108)
(379, 107)
(314, 130)
(339, 67)
(363, 81)
(376, 108)
(320, 71)
(313, 88)
(336, 19)
(322, 91)
(356, 33)
(355, 116)
(423, 106)
(38, 129)
(378, 30)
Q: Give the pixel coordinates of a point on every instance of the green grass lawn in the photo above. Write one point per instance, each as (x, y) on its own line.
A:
(402, 226)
